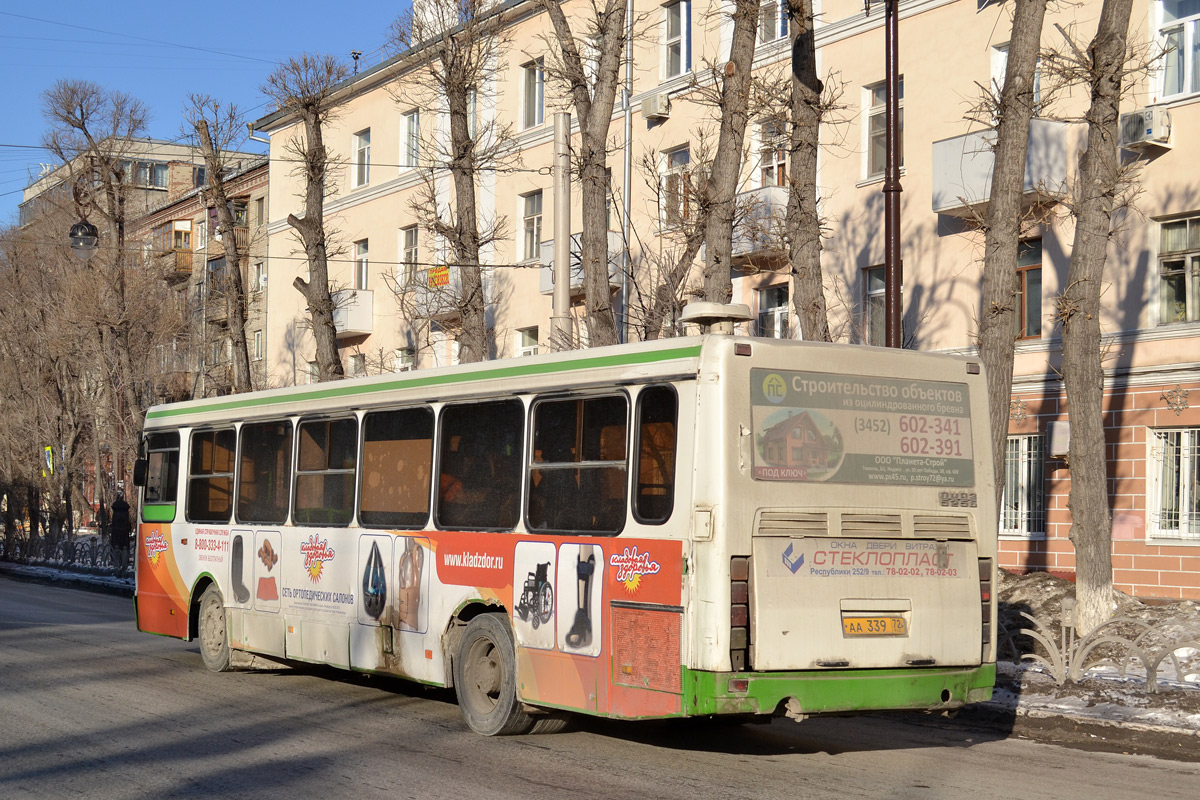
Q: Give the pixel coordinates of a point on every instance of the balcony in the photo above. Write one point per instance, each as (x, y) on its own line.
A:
(758, 233)
(353, 313)
(616, 249)
(176, 263)
(962, 169)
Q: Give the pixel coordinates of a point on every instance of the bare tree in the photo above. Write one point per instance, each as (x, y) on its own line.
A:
(304, 87)
(463, 43)
(592, 86)
(218, 129)
(1098, 189)
(734, 80)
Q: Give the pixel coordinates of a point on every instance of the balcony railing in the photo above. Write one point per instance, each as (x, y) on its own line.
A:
(615, 250)
(353, 313)
(761, 216)
(962, 168)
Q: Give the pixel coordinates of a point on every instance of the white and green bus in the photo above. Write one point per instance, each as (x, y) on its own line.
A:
(698, 526)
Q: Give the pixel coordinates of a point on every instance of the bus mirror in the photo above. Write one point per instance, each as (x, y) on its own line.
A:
(139, 471)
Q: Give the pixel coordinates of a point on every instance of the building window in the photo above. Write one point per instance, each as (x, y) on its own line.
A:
(677, 45)
(677, 185)
(532, 225)
(199, 177)
(361, 264)
(410, 139)
(314, 373)
(1175, 498)
(1029, 289)
(527, 342)
(773, 165)
(259, 346)
(534, 89)
(358, 365)
(773, 312)
(1023, 508)
(772, 20)
(875, 305)
(1000, 68)
(1179, 36)
(1179, 271)
(877, 128)
(259, 278)
(408, 254)
(404, 360)
(362, 157)
(260, 211)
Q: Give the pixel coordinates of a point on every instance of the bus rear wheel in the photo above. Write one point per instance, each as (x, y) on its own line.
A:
(213, 635)
(485, 678)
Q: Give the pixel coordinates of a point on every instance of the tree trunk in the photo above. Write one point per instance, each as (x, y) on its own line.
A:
(1079, 311)
(473, 338)
(1002, 225)
(803, 223)
(722, 181)
(235, 290)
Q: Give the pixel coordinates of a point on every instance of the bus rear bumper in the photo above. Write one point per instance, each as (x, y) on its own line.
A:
(835, 691)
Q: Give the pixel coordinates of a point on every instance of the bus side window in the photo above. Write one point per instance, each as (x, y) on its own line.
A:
(479, 465)
(577, 475)
(210, 479)
(325, 472)
(266, 466)
(654, 497)
(396, 468)
(162, 471)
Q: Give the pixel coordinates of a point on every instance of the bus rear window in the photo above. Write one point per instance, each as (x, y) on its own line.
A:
(162, 469)
(266, 464)
(654, 498)
(325, 472)
(479, 465)
(210, 479)
(577, 475)
(396, 468)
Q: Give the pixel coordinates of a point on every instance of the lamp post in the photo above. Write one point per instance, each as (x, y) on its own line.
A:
(84, 239)
(893, 270)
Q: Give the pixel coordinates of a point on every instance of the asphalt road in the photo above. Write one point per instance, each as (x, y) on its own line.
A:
(89, 707)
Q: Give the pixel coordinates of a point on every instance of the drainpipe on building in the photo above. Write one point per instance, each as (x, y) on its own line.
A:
(560, 322)
(627, 253)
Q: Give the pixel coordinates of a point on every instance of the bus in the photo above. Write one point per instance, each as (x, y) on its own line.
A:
(701, 526)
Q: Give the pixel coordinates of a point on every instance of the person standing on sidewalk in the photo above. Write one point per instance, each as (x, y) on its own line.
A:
(118, 531)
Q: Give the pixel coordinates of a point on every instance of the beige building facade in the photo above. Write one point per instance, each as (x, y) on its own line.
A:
(389, 270)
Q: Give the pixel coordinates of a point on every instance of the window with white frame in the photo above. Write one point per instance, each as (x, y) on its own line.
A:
(874, 306)
(1179, 271)
(676, 38)
(408, 254)
(404, 359)
(361, 264)
(259, 346)
(531, 225)
(1000, 68)
(677, 185)
(1175, 492)
(410, 138)
(1179, 37)
(362, 157)
(358, 365)
(772, 20)
(773, 162)
(258, 279)
(876, 127)
(773, 312)
(260, 211)
(314, 373)
(1029, 289)
(527, 341)
(1023, 507)
(533, 90)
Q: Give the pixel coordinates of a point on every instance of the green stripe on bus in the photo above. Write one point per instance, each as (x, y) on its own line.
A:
(835, 691)
(341, 390)
(164, 512)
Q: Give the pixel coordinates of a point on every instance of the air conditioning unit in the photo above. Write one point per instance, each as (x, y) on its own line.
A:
(656, 106)
(1146, 127)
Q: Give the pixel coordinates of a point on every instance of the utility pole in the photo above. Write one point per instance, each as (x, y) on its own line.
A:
(893, 269)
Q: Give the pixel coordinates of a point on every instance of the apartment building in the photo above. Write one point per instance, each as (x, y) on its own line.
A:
(178, 239)
(948, 50)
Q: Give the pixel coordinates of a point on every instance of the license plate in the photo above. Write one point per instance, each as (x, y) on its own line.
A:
(875, 625)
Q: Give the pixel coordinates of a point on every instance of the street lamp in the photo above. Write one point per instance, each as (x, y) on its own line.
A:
(84, 238)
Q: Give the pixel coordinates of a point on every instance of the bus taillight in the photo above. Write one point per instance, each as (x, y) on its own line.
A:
(739, 612)
(985, 605)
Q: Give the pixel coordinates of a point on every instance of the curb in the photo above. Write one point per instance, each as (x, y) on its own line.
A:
(53, 576)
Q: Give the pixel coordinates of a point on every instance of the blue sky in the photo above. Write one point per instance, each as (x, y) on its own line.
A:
(159, 52)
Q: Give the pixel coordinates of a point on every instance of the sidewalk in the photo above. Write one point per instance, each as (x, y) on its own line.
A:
(1024, 694)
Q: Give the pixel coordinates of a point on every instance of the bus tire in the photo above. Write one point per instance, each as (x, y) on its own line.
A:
(213, 631)
(553, 722)
(485, 678)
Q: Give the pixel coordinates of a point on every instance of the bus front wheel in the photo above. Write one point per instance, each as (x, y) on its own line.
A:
(214, 637)
(485, 678)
